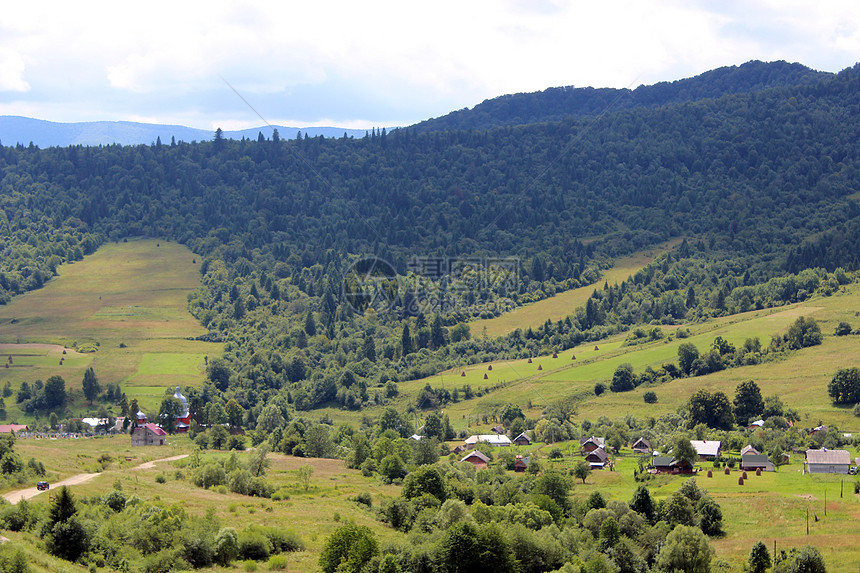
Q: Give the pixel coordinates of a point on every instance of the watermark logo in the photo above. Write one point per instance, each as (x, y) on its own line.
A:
(431, 283)
(371, 282)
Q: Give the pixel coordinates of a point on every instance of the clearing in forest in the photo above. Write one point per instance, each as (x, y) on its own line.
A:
(124, 309)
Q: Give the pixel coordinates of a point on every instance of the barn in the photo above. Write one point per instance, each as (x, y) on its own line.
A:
(826, 461)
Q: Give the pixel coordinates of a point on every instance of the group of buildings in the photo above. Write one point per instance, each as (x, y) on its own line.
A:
(593, 448)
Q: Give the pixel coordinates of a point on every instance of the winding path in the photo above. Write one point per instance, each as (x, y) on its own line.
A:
(14, 497)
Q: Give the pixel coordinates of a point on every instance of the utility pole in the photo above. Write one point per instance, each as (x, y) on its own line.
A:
(825, 502)
(807, 520)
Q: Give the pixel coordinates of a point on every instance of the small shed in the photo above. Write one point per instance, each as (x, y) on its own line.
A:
(477, 458)
(826, 461)
(499, 429)
(642, 446)
(756, 424)
(523, 440)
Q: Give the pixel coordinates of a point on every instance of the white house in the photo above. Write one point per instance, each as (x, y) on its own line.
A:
(492, 439)
(707, 449)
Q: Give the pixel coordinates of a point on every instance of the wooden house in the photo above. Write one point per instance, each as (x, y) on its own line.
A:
(477, 458)
(591, 443)
(523, 440)
(748, 449)
(669, 465)
(521, 464)
(642, 446)
(597, 458)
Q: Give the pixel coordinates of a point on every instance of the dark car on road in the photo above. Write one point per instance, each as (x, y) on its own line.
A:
(42, 485)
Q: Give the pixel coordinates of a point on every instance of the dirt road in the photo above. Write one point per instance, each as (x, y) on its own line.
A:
(14, 497)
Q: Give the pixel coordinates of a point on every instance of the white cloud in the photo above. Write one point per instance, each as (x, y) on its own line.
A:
(390, 61)
(12, 71)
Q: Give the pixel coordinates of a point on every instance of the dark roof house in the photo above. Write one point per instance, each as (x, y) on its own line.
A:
(642, 446)
(523, 440)
(667, 464)
(591, 443)
(521, 464)
(597, 458)
(476, 457)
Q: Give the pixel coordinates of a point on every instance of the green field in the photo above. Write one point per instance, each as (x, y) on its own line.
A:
(561, 305)
(800, 378)
(127, 301)
(767, 507)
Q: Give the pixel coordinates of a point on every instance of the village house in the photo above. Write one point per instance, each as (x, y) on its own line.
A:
(642, 446)
(477, 458)
(708, 450)
(591, 443)
(752, 462)
(10, 428)
(597, 459)
(756, 424)
(748, 449)
(492, 439)
(521, 464)
(148, 435)
(498, 429)
(523, 440)
(669, 465)
(826, 461)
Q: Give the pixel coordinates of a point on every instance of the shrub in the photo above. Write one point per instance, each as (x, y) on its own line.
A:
(650, 397)
(277, 563)
(249, 565)
(599, 388)
(364, 498)
(254, 545)
(160, 478)
(226, 546)
(115, 500)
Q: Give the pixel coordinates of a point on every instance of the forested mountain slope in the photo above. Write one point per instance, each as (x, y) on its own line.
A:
(559, 103)
(749, 178)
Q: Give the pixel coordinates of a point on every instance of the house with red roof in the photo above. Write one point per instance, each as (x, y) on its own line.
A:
(148, 435)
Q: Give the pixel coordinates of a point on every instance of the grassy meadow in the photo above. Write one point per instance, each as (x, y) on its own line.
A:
(127, 302)
(799, 378)
(559, 306)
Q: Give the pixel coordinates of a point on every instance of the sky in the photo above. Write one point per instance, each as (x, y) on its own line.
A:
(379, 63)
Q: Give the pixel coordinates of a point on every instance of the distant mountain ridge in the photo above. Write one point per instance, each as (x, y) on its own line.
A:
(558, 103)
(24, 130)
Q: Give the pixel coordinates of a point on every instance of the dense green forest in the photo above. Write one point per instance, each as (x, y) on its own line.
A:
(759, 183)
(555, 104)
